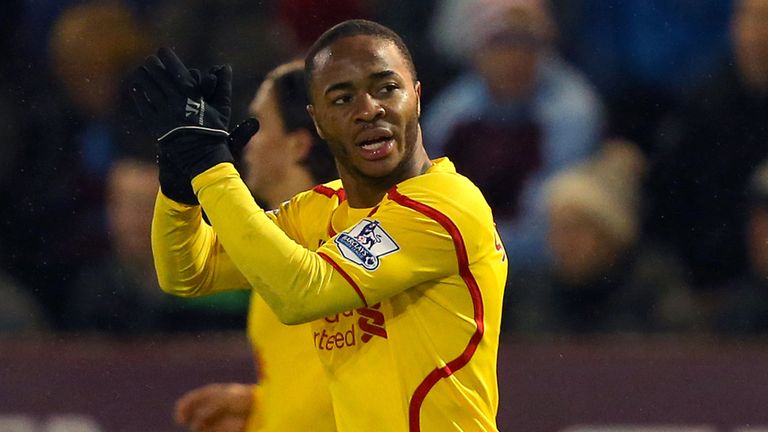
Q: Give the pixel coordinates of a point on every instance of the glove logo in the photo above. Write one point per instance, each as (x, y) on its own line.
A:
(195, 108)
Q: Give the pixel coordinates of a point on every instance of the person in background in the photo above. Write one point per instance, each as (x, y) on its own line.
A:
(285, 157)
(517, 116)
(118, 293)
(74, 124)
(743, 310)
(643, 56)
(605, 279)
(20, 313)
(708, 150)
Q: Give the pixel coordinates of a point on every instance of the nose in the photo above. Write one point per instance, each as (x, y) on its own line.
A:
(368, 108)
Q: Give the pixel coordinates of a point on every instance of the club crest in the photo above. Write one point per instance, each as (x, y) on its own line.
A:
(365, 243)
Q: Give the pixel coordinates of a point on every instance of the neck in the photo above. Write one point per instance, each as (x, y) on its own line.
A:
(366, 192)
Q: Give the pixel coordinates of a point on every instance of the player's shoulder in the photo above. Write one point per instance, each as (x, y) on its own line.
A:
(331, 191)
(323, 197)
(443, 189)
(442, 182)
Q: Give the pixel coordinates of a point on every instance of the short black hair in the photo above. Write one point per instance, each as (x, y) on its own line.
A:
(350, 28)
(291, 97)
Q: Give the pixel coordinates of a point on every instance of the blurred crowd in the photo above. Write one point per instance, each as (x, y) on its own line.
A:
(623, 145)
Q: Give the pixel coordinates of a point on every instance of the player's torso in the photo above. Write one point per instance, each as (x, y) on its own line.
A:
(294, 389)
(431, 347)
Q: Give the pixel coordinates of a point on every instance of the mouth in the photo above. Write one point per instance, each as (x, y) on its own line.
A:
(375, 144)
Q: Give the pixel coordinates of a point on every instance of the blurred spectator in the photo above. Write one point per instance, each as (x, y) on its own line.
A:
(515, 118)
(25, 107)
(643, 55)
(120, 293)
(19, 311)
(605, 278)
(743, 308)
(711, 146)
(73, 123)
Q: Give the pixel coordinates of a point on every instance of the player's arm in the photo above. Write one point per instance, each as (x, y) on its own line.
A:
(298, 285)
(188, 260)
(301, 285)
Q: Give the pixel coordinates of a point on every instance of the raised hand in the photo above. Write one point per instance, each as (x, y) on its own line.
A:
(187, 113)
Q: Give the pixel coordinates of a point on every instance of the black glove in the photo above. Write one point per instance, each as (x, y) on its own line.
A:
(174, 183)
(240, 136)
(188, 115)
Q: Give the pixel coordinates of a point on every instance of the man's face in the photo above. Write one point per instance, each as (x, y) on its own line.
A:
(581, 246)
(508, 68)
(750, 36)
(366, 106)
(266, 156)
(507, 59)
(131, 192)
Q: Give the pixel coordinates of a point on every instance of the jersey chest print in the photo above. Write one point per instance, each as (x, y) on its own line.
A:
(365, 243)
(350, 328)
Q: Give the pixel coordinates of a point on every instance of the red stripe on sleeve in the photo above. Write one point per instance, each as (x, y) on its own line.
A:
(345, 275)
(414, 409)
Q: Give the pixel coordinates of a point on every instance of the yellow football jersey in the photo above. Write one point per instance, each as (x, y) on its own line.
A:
(293, 391)
(407, 294)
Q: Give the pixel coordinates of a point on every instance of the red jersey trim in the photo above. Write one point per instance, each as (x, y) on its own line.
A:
(345, 275)
(414, 409)
(330, 192)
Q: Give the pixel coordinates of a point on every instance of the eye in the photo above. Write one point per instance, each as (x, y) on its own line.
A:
(388, 88)
(341, 100)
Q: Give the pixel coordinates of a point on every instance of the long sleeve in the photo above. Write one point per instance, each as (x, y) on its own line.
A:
(188, 260)
(297, 283)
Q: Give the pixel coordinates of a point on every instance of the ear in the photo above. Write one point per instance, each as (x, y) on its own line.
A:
(417, 88)
(311, 111)
(300, 144)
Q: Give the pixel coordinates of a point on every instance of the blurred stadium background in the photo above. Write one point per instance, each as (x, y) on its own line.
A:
(621, 143)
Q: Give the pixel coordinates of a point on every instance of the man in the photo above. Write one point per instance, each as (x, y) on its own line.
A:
(519, 104)
(397, 265)
(707, 151)
(283, 158)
